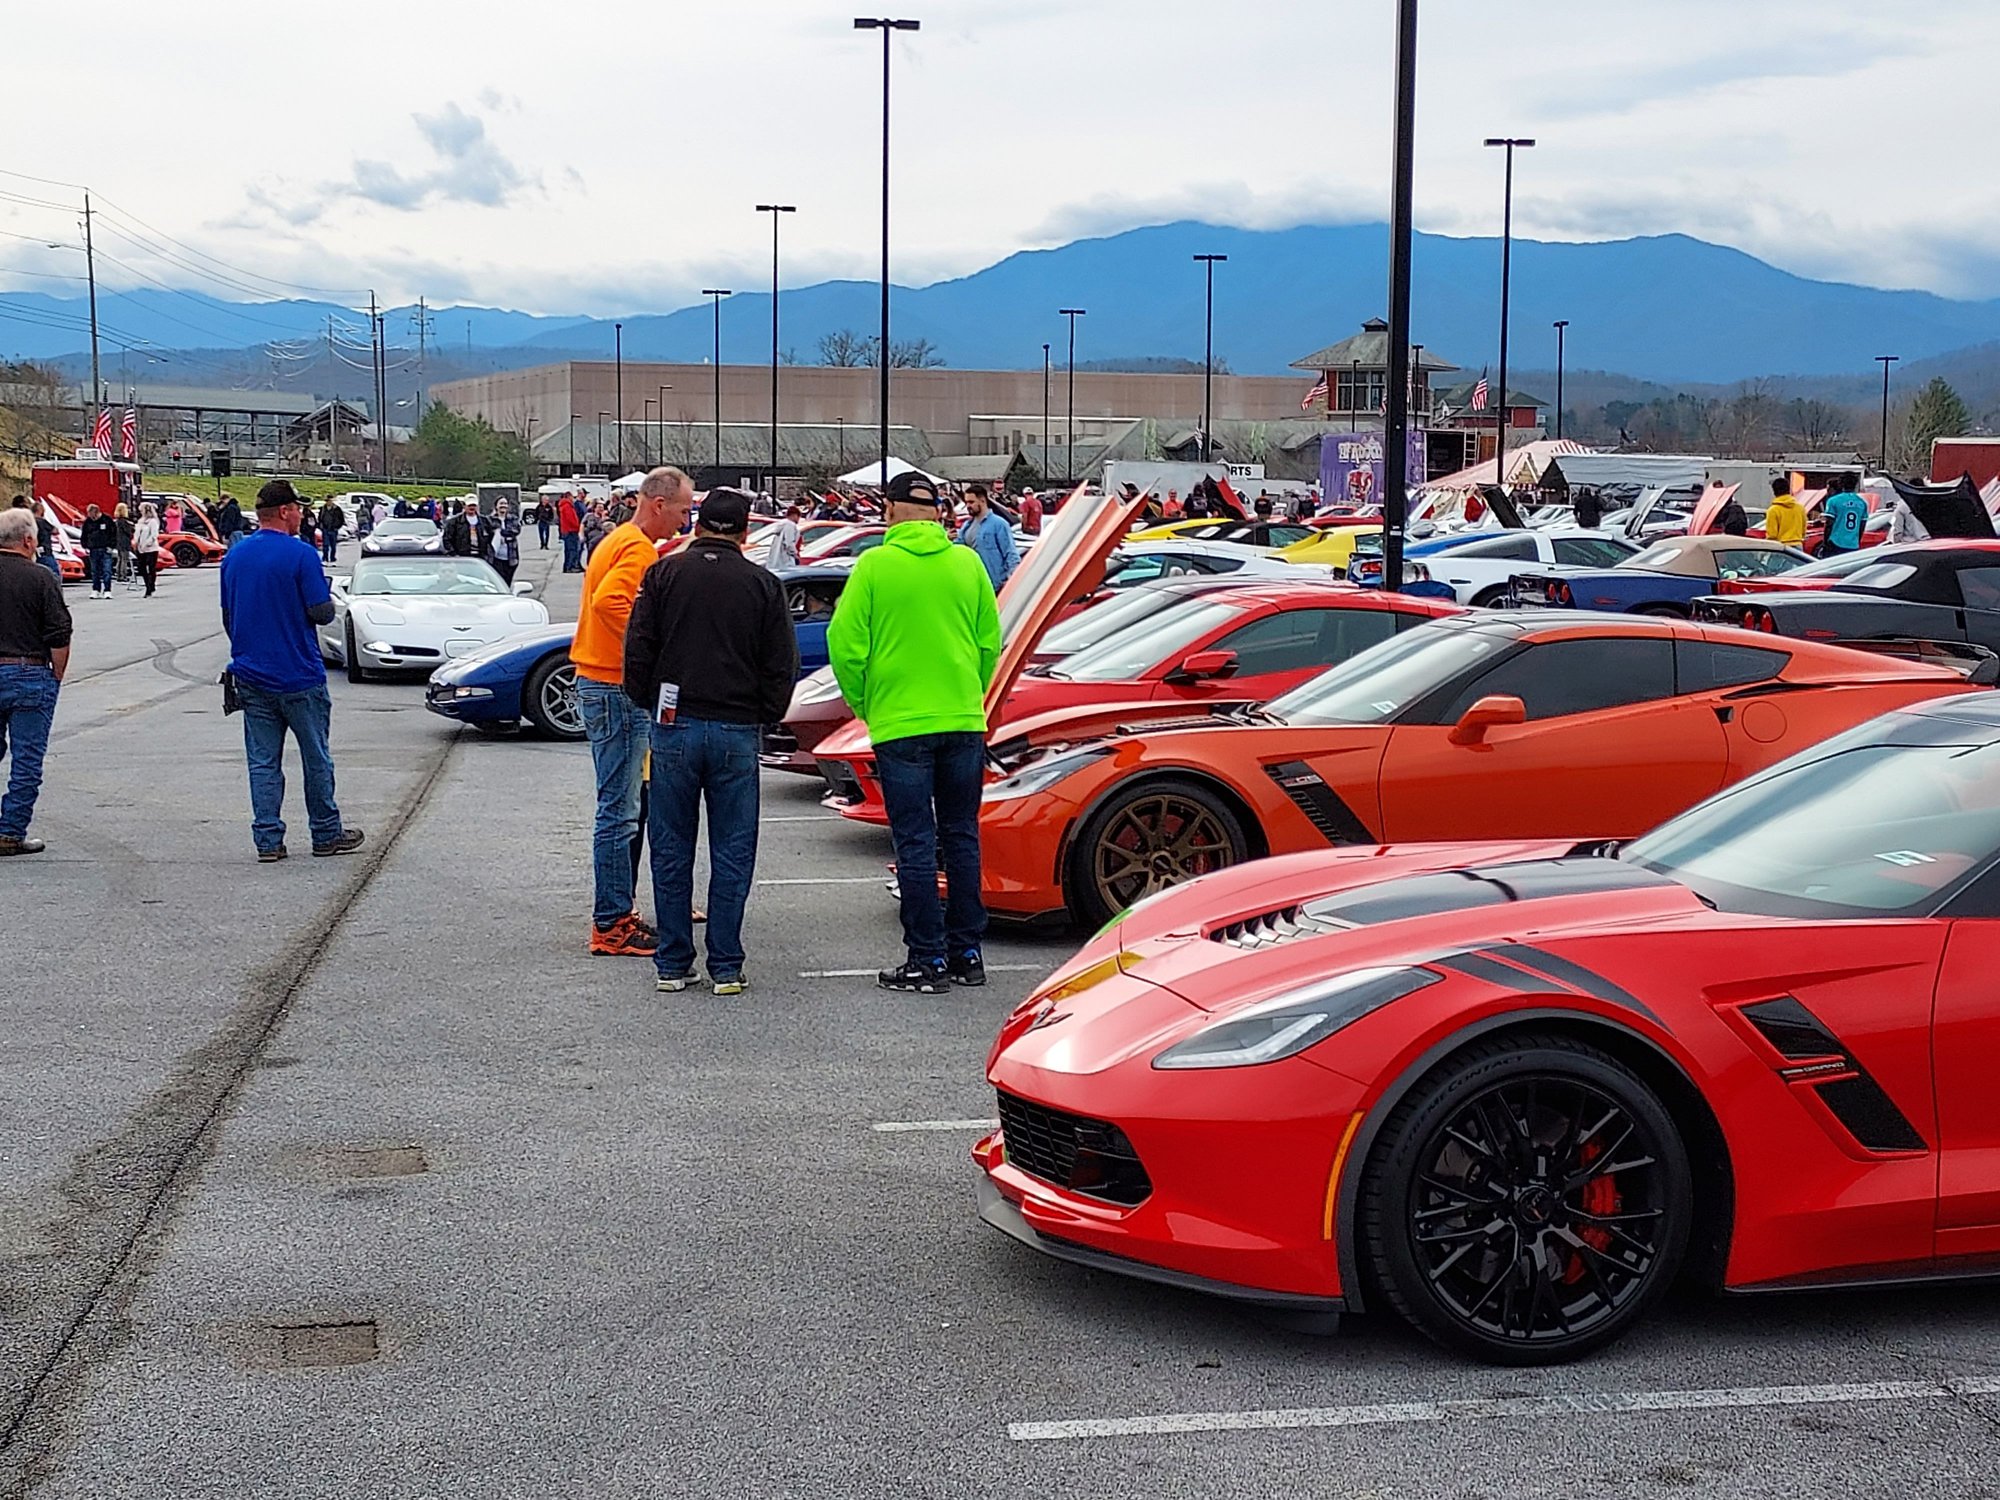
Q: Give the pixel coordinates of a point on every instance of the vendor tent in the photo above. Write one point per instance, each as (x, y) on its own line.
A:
(1633, 471)
(1524, 465)
(630, 481)
(871, 473)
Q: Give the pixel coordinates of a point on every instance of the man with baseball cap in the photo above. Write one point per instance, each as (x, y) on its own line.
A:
(710, 658)
(274, 592)
(914, 641)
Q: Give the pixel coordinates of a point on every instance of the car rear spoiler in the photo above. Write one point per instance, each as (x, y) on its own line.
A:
(1980, 666)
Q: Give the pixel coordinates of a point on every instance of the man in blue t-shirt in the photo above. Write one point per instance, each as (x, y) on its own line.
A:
(273, 593)
(1846, 517)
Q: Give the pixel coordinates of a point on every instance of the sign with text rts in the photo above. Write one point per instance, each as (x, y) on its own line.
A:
(1350, 466)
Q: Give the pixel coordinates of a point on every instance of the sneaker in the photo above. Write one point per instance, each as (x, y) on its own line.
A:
(347, 843)
(645, 929)
(624, 938)
(729, 984)
(271, 856)
(23, 845)
(916, 979)
(967, 969)
(672, 984)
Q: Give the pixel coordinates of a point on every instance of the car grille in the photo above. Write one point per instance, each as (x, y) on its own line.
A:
(1084, 1156)
(1269, 929)
(414, 650)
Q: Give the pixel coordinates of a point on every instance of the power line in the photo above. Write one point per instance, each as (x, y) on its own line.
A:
(294, 286)
(210, 303)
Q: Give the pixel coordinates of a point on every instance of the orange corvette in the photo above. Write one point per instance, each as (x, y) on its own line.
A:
(1481, 726)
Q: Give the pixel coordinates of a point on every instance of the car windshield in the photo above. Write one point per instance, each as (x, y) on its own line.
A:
(407, 528)
(1377, 685)
(1871, 830)
(427, 575)
(1131, 652)
(1101, 621)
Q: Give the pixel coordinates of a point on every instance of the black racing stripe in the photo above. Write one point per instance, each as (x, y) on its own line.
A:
(1572, 974)
(1478, 966)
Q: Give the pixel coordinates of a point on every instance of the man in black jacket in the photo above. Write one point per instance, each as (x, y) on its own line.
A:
(711, 656)
(99, 536)
(468, 534)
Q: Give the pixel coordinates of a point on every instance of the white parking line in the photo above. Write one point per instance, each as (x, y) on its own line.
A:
(1577, 1404)
(807, 818)
(828, 880)
(904, 1127)
(871, 973)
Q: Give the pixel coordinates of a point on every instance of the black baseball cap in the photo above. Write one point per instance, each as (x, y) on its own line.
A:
(278, 492)
(911, 488)
(726, 512)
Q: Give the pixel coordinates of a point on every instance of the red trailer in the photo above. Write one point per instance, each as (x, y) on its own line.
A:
(74, 483)
(1977, 456)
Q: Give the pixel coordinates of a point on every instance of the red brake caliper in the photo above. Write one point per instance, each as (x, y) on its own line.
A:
(1600, 1196)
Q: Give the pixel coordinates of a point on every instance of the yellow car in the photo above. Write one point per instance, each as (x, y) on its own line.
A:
(1334, 547)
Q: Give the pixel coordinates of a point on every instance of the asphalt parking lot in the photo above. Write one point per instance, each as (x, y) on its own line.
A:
(360, 1178)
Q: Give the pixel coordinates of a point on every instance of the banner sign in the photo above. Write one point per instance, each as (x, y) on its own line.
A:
(1350, 467)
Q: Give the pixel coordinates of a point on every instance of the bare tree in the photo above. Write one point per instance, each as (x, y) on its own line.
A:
(846, 348)
(913, 354)
(1815, 426)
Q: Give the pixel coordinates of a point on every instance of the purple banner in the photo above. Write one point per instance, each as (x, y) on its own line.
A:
(1350, 467)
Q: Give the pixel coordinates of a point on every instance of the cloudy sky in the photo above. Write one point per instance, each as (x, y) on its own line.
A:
(604, 156)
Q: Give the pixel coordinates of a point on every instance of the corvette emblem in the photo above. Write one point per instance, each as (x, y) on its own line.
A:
(1049, 1017)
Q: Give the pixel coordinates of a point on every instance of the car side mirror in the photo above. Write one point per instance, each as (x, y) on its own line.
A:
(1203, 665)
(338, 585)
(1488, 713)
(522, 586)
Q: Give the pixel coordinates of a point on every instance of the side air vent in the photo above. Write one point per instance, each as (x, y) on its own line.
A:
(1861, 1105)
(1271, 928)
(1870, 1115)
(1321, 804)
(1795, 1031)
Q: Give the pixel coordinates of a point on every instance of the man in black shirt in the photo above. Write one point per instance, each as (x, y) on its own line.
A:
(468, 534)
(710, 656)
(34, 654)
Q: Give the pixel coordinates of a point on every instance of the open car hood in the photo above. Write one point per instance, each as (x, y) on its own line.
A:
(1067, 562)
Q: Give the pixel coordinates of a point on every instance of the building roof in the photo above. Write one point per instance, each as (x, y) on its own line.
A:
(827, 446)
(964, 468)
(1459, 399)
(1368, 349)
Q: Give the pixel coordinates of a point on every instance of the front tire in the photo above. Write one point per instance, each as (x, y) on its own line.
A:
(353, 652)
(1528, 1202)
(187, 555)
(548, 700)
(1145, 838)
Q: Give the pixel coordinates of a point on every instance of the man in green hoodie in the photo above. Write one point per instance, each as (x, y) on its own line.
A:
(913, 644)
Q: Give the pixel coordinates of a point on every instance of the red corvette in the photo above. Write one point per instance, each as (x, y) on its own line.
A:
(1515, 1091)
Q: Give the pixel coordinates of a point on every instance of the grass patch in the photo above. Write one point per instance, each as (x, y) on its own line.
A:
(312, 487)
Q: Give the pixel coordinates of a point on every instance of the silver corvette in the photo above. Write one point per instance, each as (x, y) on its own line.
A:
(413, 614)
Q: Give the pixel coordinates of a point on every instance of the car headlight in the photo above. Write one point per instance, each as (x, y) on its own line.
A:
(462, 694)
(1044, 774)
(527, 614)
(1287, 1024)
(378, 614)
(1090, 978)
(380, 648)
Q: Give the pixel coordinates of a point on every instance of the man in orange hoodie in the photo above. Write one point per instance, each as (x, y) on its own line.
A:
(617, 727)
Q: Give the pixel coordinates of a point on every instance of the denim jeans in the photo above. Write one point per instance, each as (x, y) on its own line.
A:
(27, 710)
(49, 561)
(329, 545)
(932, 785)
(266, 717)
(697, 763)
(98, 566)
(616, 729)
(543, 527)
(572, 552)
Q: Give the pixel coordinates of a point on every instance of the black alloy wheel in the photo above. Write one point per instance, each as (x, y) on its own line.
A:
(1146, 838)
(548, 699)
(354, 671)
(1528, 1202)
(187, 555)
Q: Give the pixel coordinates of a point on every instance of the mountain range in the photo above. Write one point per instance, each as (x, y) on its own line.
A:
(1666, 308)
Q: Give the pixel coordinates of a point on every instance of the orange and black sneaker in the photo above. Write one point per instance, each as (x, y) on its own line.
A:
(624, 938)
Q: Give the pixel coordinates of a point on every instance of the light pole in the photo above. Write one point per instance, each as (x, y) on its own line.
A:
(1562, 328)
(1208, 357)
(718, 293)
(1885, 361)
(1396, 421)
(886, 26)
(597, 457)
(644, 406)
(1510, 144)
(572, 441)
(774, 210)
(1069, 442)
(663, 425)
(1045, 407)
(618, 335)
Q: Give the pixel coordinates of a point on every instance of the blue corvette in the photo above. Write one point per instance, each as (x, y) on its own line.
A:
(1665, 579)
(528, 677)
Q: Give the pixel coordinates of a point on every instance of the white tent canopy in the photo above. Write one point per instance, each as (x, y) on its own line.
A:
(871, 474)
(631, 481)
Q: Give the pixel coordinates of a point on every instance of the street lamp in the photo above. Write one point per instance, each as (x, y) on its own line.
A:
(1045, 407)
(718, 293)
(884, 25)
(1396, 420)
(1885, 361)
(644, 406)
(1069, 442)
(774, 210)
(597, 456)
(1208, 357)
(1510, 144)
(663, 425)
(572, 441)
(618, 335)
(1562, 328)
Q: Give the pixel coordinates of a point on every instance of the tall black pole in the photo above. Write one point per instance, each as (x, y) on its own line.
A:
(774, 209)
(618, 335)
(1208, 360)
(1045, 406)
(1069, 442)
(718, 293)
(1562, 328)
(663, 429)
(884, 25)
(1506, 288)
(1396, 424)
(1885, 361)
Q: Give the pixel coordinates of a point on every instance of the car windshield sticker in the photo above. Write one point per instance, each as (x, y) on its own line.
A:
(1906, 858)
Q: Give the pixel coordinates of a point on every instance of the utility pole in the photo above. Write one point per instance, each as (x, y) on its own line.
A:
(333, 406)
(90, 270)
(1562, 331)
(618, 354)
(718, 293)
(774, 210)
(1069, 442)
(1396, 421)
(886, 26)
(1045, 407)
(685, 458)
(1208, 360)
(1885, 361)
(423, 325)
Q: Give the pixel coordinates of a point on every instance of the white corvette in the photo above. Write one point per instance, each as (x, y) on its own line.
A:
(416, 613)
(1480, 570)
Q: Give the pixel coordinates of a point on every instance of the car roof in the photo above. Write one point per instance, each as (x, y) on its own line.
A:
(1981, 710)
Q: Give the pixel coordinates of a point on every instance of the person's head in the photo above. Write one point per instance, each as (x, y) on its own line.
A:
(20, 503)
(793, 513)
(501, 508)
(725, 515)
(909, 497)
(146, 511)
(17, 530)
(471, 508)
(121, 512)
(279, 507)
(1781, 488)
(1264, 505)
(1849, 483)
(665, 499)
(975, 500)
(92, 512)
(1028, 495)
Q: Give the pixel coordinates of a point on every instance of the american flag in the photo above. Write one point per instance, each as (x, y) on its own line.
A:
(1318, 392)
(128, 434)
(100, 437)
(1479, 394)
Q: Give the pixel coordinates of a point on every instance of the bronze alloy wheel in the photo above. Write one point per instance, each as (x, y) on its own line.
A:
(1150, 838)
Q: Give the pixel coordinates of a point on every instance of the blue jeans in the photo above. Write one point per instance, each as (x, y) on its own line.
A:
(48, 560)
(572, 552)
(932, 785)
(617, 732)
(98, 566)
(543, 526)
(329, 545)
(699, 762)
(266, 717)
(27, 711)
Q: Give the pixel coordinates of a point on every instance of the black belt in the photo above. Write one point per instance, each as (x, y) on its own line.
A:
(24, 661)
